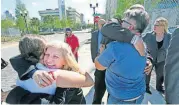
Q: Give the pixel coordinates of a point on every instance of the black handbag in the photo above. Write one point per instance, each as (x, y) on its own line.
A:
(3, 63)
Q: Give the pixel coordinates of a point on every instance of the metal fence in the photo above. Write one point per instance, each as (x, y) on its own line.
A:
(10, 32)
(168, 9)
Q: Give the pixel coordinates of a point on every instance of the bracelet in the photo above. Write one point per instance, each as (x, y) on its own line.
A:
(52, 73)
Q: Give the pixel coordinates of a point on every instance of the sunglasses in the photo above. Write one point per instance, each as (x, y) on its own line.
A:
(124, 21)
(156, 25)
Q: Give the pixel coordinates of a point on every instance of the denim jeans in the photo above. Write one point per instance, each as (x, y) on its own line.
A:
(113, 100)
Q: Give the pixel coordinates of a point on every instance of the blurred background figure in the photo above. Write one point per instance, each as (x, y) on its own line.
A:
(171, 71)
(100, 86)
(157, 42)
(73, 42)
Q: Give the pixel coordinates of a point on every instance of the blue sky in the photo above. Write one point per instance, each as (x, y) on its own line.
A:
(33, 6)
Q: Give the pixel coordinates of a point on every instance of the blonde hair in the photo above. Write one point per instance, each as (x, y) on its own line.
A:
(65, 51)
(163, 22)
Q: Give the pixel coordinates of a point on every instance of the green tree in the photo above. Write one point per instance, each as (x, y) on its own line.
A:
(76, 26)
(63, 23)
(20, 7)
(90, 25)
(7, 23)
(123, 5)
(66, 23)
(57, 22)
(69, 22)
(20, 23)
(48, 22)
(35, 24)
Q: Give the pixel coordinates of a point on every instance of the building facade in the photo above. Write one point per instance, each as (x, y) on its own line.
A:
(73, 15)
(62, 8)
(63, 12)
(111, 7)
(47, 12)
(82, 17)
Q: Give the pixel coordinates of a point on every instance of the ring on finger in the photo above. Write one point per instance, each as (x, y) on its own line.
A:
(40, 81)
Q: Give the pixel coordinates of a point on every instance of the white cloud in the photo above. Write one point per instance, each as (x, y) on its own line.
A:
(10, 11)
(34, 3)
(79, 1)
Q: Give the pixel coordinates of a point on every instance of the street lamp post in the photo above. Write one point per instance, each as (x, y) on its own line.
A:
(94, 8)
(24, 15)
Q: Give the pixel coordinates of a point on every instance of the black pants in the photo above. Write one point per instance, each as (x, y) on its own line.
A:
(159, 76)
(147, 80)
(99, 86)
(75, 96)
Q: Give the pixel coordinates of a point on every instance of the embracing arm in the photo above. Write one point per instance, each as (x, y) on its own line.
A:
(70, 79)
(115, 32)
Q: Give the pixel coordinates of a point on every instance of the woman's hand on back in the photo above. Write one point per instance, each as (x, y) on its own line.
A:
(43, 78)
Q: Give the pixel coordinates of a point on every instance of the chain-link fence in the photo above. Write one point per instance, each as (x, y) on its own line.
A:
(168, 9)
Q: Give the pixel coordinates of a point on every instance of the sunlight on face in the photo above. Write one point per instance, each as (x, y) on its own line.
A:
(158, 28)
(53, 58)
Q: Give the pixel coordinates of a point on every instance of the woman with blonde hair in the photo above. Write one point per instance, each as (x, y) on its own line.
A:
(49, 60)
(66, 54)
(157, 42)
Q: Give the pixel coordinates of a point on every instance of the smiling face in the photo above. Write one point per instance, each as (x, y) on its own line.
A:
(53, 59)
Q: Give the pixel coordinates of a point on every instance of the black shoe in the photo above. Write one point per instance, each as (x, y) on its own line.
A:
(161, 91)
(148, 91)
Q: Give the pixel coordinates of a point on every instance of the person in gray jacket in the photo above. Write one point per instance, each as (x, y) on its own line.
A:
(157, 42)
(171, 70)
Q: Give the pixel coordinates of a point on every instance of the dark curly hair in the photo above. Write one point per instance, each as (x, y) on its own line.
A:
(32, 47)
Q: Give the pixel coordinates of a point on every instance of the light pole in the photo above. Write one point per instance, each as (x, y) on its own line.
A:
(24, 15)
(94, 8)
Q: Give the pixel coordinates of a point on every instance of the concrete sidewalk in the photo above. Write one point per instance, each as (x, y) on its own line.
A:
(87, 64)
